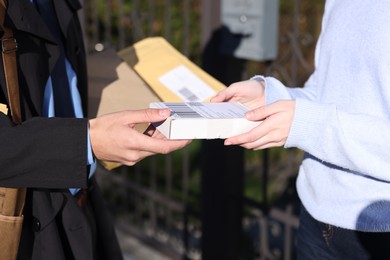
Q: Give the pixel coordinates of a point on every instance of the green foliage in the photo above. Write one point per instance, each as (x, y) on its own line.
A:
(287, 6)
(141, 19)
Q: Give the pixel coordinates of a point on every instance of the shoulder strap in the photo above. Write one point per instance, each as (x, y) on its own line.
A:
(11, 199)
(9, 47)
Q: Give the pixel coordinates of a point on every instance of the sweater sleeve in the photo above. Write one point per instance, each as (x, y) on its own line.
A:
(275, 90)
(358, 143)
(338, 138)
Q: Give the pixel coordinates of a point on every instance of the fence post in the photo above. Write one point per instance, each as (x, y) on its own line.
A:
(222, 167)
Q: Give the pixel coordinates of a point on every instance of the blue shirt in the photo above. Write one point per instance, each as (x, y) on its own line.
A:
(48, 111)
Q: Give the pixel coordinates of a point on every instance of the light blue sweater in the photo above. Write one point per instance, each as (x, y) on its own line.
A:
(342, 118)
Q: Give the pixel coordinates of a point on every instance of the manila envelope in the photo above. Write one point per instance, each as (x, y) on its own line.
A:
(145, 72)
(113, 87)
(156, 61)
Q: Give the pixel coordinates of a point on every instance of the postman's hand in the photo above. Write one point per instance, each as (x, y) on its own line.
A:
(272, 132)
(114, 138)
(249, 92)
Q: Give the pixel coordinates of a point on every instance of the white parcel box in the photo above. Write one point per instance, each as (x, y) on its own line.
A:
(203, 120)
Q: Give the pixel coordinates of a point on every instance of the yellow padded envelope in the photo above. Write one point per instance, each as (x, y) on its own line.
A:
(154, 58)
(113, 87)
(134, 77)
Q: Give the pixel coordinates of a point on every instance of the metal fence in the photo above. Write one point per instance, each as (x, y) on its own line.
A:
(158, 200)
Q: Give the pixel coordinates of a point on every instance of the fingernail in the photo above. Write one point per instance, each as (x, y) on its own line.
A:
(228, 143)
(249, 114)
(164, 112)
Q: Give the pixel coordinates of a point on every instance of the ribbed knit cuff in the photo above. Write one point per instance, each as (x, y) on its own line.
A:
(306, 125)
(274, 89)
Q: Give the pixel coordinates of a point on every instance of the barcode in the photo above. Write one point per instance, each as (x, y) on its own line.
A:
(187, 94)
(182, 110)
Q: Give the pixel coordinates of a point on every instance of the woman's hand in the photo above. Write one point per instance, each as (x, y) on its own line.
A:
(272, 132)
(250, 93)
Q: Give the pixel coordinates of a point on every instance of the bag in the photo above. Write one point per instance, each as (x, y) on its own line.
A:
(11, 221)
(11, 199)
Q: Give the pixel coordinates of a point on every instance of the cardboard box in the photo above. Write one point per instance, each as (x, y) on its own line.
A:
(200, 120)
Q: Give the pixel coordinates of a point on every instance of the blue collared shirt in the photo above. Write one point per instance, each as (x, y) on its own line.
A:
(48, 111)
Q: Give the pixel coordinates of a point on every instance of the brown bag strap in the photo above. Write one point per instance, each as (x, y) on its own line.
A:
(12, 199)
(9, 47)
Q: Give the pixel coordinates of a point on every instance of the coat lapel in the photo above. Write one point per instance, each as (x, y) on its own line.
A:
(25, 17)
(65, 11)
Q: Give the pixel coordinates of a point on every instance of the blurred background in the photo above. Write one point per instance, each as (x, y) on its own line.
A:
(208, 201)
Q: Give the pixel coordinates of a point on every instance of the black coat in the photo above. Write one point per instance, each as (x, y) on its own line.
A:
(48, 156)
